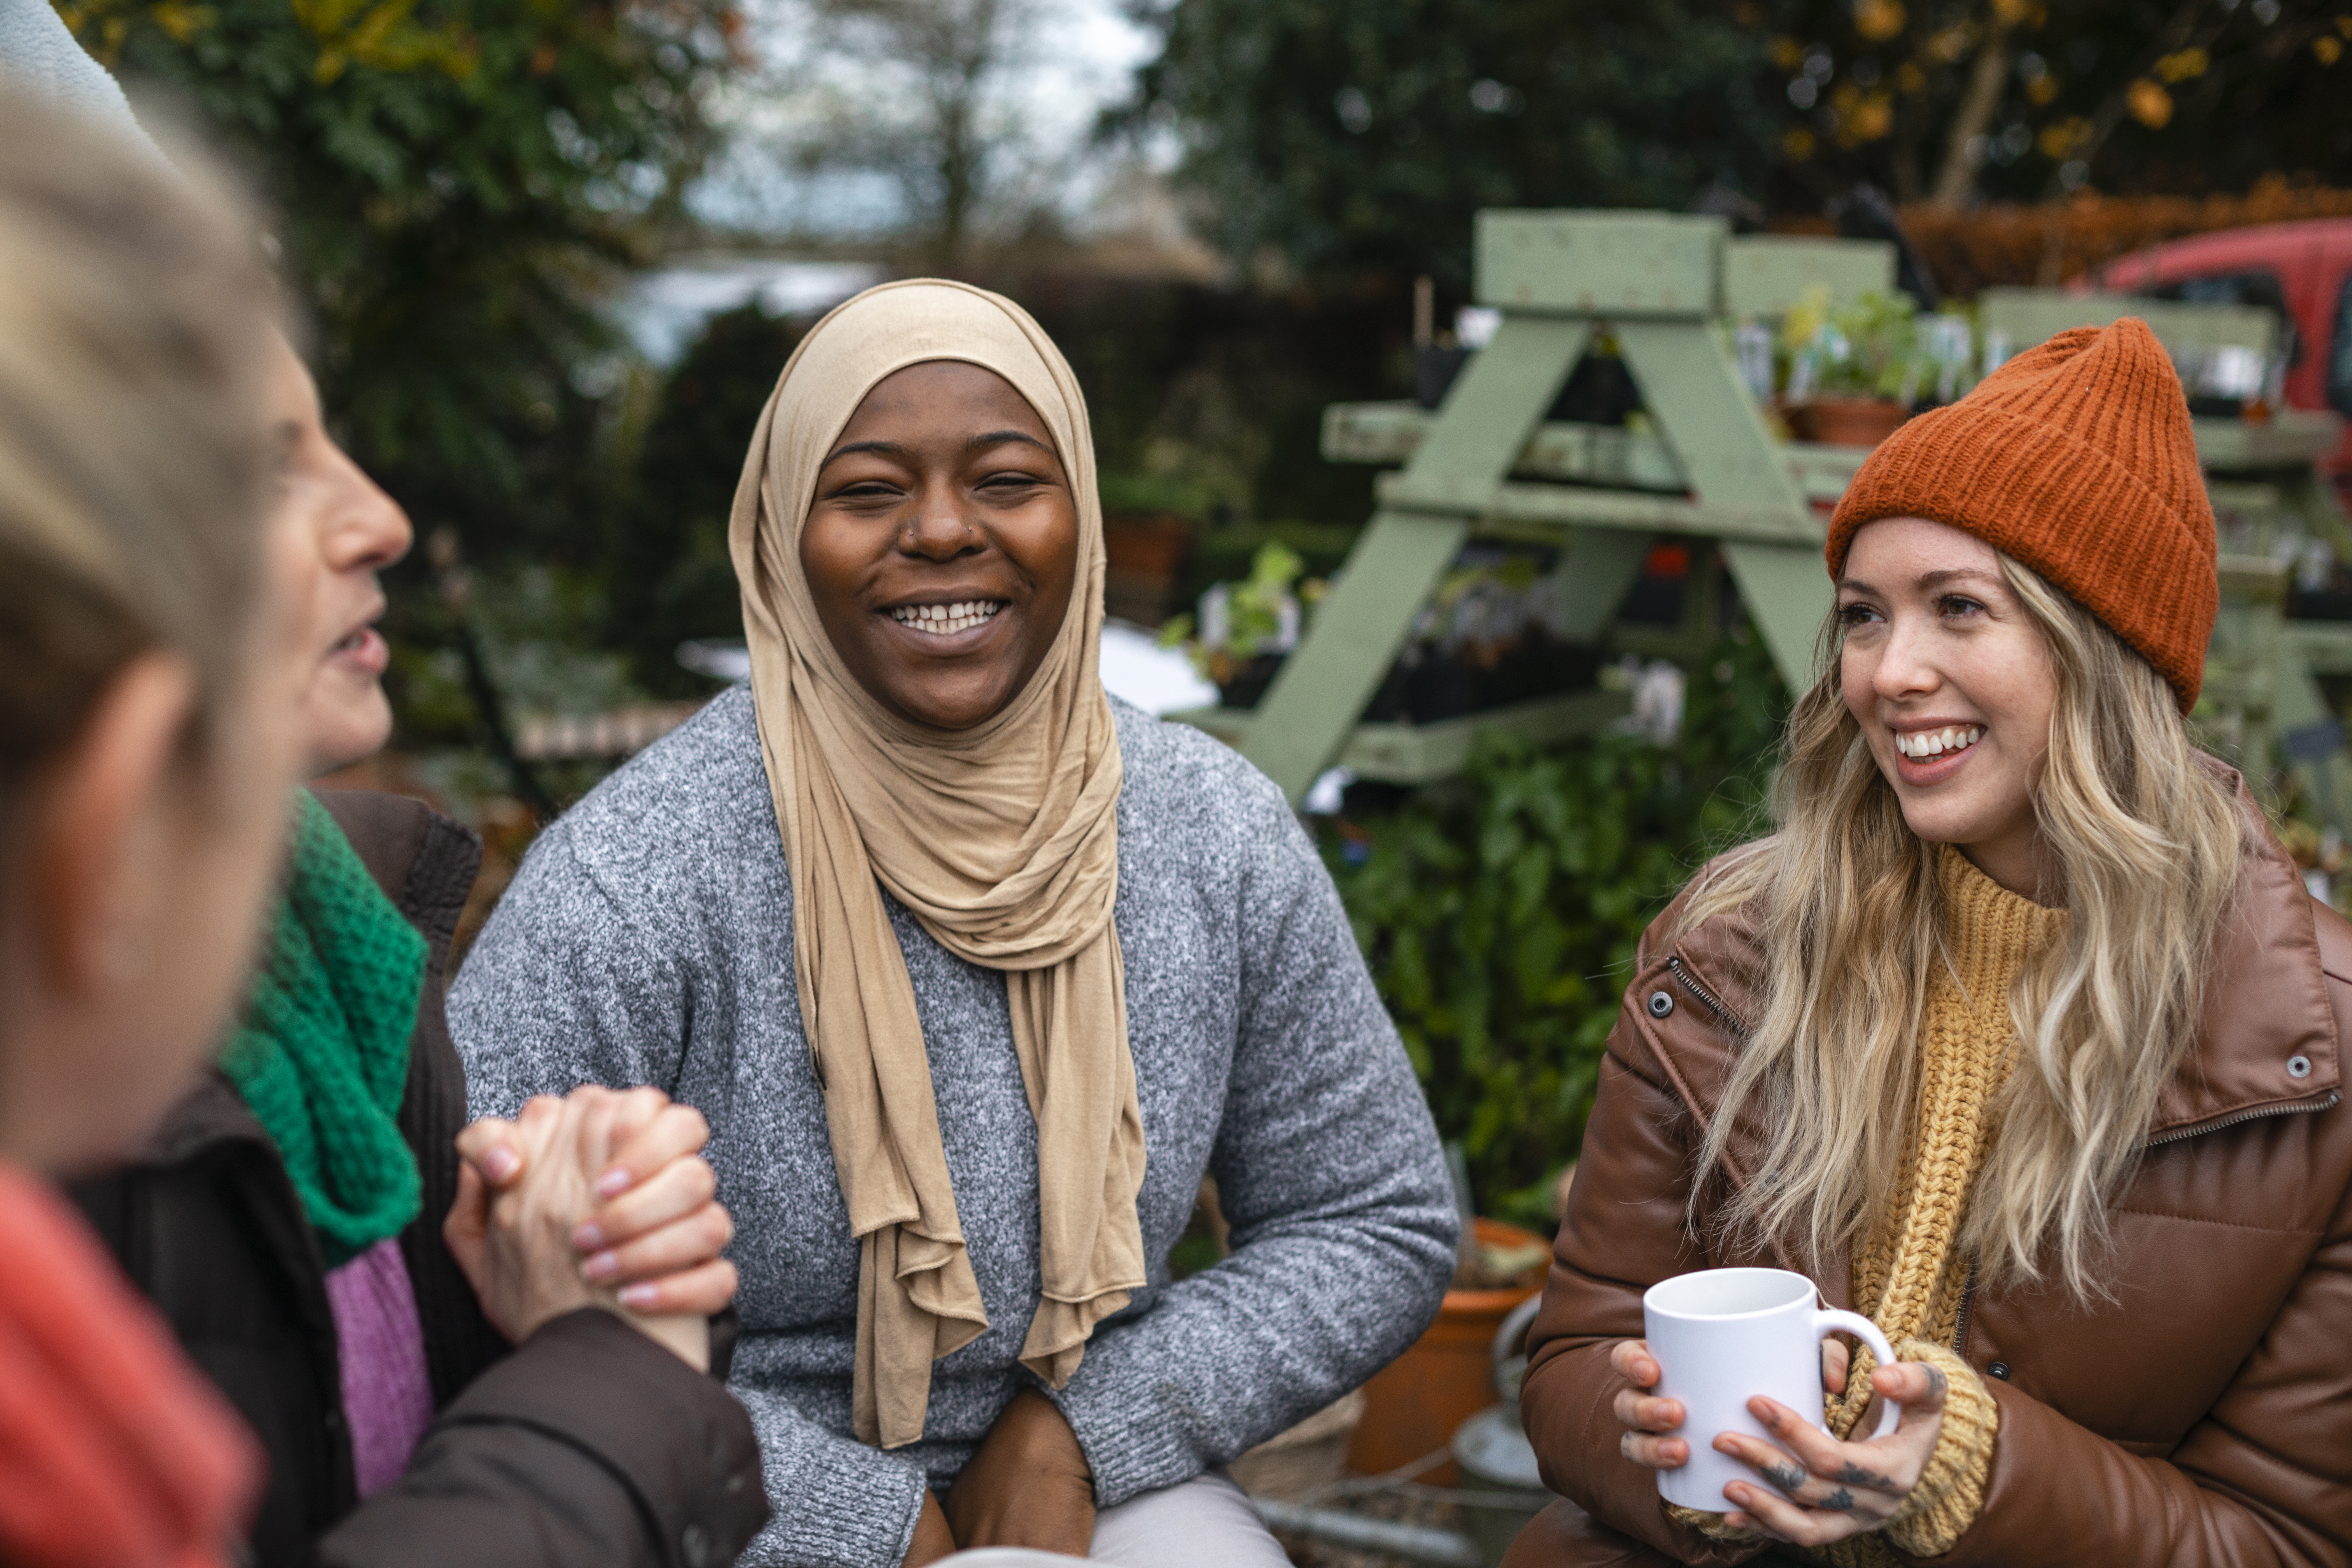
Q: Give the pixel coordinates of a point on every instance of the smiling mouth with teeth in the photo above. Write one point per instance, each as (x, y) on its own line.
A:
(946, 620)
(1922, 745)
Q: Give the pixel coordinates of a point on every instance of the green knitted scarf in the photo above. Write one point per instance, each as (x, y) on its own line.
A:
(321, 1058)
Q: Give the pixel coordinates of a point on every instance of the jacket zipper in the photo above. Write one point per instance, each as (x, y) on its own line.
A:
(2296, 1108)
(1707, 999)
(1968, 1295)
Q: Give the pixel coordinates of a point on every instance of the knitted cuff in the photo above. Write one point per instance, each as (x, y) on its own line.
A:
(1951, 1488)
(1710, 1525)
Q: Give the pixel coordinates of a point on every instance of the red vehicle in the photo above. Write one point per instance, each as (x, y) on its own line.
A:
(2301, 271)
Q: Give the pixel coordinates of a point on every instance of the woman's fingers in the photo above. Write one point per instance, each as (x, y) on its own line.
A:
(1655, 1453)
(671, 1133)
(1916, 1385)
(1632, 1361)
(1760, 1508)
(1644, 1414)
(1837, 1366)
(699, 1291)
(1847, 1488)
(684, 1243)
(674, 1192)
(1816, 1449)
(489, 1146)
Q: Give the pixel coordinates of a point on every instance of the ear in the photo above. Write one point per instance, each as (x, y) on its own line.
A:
(101, 828)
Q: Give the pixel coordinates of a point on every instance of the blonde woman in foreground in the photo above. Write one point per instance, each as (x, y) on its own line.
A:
(2020, 1036)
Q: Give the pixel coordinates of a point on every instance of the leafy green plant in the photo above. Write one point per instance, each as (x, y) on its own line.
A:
(1867, 348)
(1257, 610)
(1500, 909)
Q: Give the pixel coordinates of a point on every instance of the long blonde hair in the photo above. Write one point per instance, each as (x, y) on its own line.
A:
(2148, 846)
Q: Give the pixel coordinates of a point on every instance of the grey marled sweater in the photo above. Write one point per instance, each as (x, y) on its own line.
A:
(648, 940)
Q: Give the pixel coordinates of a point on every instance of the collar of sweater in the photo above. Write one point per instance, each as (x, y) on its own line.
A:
(1990, 933)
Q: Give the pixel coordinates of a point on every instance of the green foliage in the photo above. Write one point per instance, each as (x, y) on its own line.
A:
(1361, 135)
(1500, 911)
(672, 578)
(453, 179)
(1867, 348)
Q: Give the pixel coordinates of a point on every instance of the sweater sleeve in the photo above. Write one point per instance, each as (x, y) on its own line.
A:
(590, 1447)
(1327, 1169)
(566, 987)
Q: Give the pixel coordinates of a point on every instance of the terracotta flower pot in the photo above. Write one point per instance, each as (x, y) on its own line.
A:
(1852, 421)
(1150, 545)
(1414, 1405)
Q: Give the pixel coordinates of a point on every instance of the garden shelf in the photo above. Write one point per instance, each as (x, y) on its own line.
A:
(1705, 465)
(1420, 754)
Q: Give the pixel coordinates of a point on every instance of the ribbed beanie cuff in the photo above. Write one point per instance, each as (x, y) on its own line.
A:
(2078, 460)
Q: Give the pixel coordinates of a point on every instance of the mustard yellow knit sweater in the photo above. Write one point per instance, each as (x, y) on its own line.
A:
(1908, 1278)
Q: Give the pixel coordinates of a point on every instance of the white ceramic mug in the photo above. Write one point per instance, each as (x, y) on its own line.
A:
(1721, 1337)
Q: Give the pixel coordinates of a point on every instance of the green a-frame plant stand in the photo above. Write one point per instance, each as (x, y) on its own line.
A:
(1663, 283)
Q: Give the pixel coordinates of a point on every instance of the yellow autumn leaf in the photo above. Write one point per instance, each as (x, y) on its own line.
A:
(1878, 20)
(182, 22)
(2327, 49)
(2063, 136)
(1799, 143)
(1787, 53)
(2149, 104)
(2185, 65)
(2042, 89)
(1874, 118)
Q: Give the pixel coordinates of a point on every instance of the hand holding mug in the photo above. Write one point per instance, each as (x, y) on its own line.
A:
(1651, 1422)
(1839, 1488)
(1730, 1362)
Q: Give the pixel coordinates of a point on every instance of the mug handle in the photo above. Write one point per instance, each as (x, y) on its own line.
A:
(1830, 1320)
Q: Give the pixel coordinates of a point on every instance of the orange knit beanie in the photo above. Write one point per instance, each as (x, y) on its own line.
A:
(2076, 460)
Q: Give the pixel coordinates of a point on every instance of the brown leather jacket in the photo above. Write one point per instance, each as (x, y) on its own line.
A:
(2204, 1417)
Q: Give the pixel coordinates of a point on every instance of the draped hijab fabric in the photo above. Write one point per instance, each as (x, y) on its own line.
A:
(1001, 839)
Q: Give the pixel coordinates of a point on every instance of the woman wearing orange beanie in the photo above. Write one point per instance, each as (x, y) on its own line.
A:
(2019, 1035)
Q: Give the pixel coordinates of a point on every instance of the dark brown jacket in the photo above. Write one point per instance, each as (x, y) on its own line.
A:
(2205, 1416)
(588, 1445)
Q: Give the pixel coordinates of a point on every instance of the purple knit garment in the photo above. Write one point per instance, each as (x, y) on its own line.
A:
(387, 1395)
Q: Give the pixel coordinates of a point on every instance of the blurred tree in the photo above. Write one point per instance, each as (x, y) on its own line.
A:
(672, 578)
(453, 180)
(904, 117)
(1360, 135)
(1941, 100)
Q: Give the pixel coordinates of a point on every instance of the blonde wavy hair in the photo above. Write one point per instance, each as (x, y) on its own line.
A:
(2147, 845)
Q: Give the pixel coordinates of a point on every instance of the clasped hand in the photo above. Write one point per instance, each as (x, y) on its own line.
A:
(1838, 1490)
(601, 1198)
(1028, 1485)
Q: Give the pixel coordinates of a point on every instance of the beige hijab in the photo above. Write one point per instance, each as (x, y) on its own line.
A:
(1001, 840)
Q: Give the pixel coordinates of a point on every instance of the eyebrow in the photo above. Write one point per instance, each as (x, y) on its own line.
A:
(978, 443)
(1928, 579)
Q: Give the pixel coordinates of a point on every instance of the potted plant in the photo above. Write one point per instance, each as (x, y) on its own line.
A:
(1245, 628)
(1854, 369)
(1488, 639)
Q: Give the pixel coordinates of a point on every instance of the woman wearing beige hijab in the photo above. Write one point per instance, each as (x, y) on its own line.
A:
(976, 973)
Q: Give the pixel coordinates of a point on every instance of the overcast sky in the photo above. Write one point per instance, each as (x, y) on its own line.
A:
(1083, 60)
